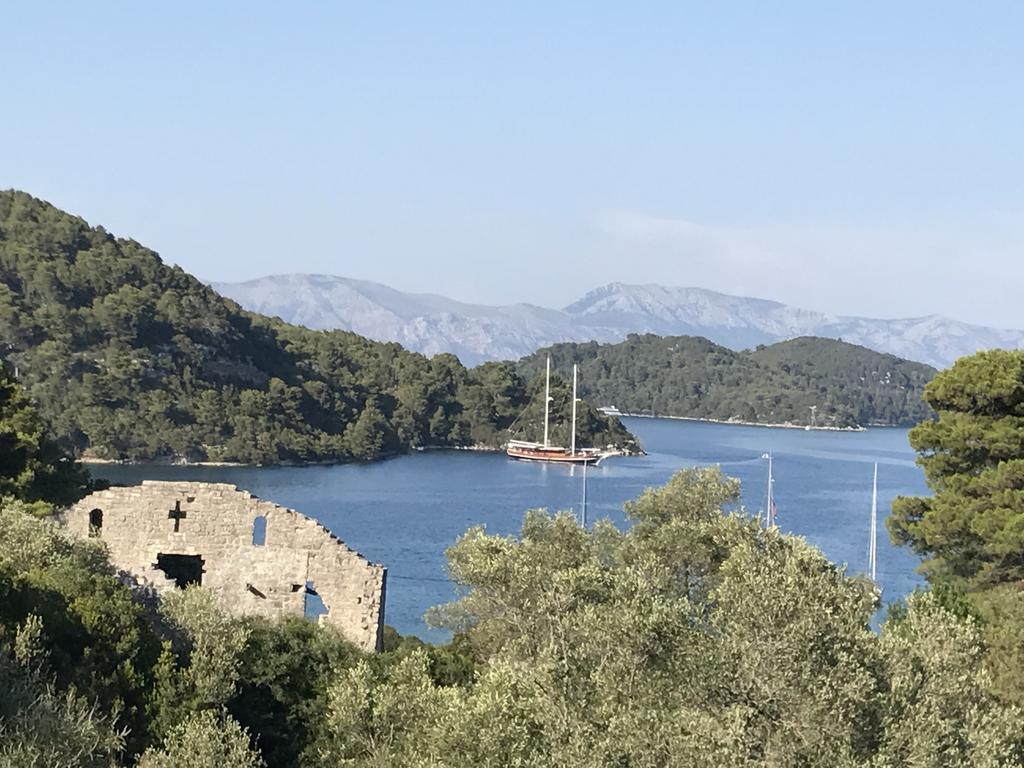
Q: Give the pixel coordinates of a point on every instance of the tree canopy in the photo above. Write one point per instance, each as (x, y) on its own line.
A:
(970, 531)
(692, 639)
(692, 377)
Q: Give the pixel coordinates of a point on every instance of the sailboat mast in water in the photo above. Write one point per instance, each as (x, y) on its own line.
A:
(873, 543)
(572, 449)
(584, 508)
(547, 400)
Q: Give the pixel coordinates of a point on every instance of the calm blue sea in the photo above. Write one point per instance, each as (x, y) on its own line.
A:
(404, 512)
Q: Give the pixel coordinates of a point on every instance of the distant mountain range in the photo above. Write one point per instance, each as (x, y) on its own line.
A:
(432, 324)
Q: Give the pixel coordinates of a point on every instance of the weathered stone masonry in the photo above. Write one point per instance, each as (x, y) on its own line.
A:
(171, 533)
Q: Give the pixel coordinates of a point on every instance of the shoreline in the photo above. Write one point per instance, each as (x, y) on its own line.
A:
(739, 423)
(92, 461)
(95, 461)
(478, 448)
(171, 463)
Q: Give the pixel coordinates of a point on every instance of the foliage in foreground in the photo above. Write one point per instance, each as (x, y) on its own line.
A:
(92, 637)
(44, 727)
(970, 531)
(693, 639)
(206, 739)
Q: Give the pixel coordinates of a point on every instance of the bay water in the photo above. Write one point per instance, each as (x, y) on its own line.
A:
(405, 511)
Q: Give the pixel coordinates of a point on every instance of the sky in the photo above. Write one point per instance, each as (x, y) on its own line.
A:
(856, 158)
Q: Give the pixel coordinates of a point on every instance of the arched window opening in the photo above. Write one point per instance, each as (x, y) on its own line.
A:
(95, 522)
(259, 531)
(314, 606)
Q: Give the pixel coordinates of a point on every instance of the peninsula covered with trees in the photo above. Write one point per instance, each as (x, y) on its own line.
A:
(801, 382)
(131, 358)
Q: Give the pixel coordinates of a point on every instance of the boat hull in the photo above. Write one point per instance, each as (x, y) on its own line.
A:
(552, 456)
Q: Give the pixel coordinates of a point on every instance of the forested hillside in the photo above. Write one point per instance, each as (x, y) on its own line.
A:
(131, 358)
(693, 377)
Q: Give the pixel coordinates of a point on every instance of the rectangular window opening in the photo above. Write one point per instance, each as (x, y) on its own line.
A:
(183, 569)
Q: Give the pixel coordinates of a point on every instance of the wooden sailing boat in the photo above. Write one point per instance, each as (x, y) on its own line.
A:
(521, 449)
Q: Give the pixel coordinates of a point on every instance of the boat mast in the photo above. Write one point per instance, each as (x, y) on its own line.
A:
(873, 544)
(768, 512)
(585, 494)
(547, 400)
(572, 450)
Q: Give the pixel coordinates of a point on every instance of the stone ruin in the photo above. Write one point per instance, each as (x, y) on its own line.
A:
(256, 557)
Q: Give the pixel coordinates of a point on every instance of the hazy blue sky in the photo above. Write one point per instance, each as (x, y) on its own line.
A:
(854, 157)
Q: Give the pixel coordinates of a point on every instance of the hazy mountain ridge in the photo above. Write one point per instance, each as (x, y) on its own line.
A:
(423, 322)
(431, 324)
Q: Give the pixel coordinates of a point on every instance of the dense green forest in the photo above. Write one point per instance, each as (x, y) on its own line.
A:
(130, 358)
(970, 531)
(692, 377)
(693, 638)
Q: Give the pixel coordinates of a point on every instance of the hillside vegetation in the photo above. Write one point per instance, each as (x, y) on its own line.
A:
(131, 358)
(692, 377)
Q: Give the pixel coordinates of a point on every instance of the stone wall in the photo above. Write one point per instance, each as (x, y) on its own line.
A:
(216, 522)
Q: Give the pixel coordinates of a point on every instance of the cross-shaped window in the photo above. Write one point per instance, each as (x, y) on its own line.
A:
(177, 515)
